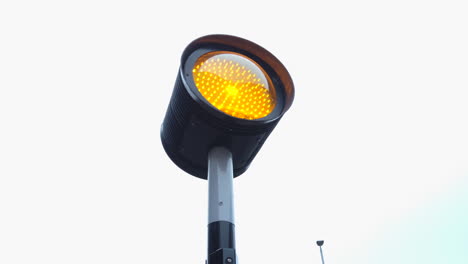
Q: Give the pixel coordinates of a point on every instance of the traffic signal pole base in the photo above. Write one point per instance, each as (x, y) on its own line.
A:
(222, 256)
(221, 235)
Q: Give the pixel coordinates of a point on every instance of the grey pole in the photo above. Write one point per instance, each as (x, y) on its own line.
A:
(221, 237)
(321, 254)
(220, 176)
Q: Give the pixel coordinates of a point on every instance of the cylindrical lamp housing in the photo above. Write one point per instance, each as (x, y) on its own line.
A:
(230, 93)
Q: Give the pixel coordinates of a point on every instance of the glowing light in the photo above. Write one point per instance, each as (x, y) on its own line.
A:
(234, 85)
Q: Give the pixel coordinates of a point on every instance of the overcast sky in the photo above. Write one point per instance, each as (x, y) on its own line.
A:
(372, 156)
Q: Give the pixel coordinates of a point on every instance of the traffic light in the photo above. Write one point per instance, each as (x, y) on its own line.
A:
(229, 92)
(229, 95)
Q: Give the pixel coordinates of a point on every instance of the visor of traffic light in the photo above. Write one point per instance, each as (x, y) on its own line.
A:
(229, 92)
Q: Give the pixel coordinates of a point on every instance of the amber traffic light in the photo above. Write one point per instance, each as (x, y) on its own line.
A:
(230, 93)
(234, 84)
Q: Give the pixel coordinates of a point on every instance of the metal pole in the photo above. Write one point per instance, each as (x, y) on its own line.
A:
(321, 254)
(221, 239)
(220, 193)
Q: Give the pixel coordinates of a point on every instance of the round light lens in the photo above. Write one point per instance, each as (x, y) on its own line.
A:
(234, 84)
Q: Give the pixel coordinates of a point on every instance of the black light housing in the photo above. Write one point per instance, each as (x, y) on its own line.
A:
(192, 126)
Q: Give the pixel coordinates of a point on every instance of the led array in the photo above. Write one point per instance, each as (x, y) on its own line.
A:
(234, 85)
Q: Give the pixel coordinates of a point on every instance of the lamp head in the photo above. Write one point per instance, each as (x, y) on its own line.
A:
(229, 92)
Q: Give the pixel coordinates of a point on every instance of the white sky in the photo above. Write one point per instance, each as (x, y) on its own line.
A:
(372, 157)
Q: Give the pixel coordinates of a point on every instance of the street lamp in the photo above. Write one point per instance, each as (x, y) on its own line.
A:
(320, 244)
(229, 95)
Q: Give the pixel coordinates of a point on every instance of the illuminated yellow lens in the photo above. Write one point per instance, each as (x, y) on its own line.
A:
(234, 85)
